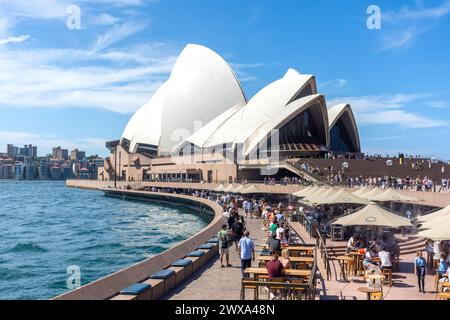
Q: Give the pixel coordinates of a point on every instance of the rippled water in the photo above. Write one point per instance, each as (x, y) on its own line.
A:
(46, 227)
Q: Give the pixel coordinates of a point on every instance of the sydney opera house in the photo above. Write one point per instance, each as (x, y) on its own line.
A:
(200, 125)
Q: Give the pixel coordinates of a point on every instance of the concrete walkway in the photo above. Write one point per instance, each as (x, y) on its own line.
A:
(212, 282)
(404, 282)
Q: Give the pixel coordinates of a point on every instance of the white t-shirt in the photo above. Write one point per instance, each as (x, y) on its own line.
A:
(385, 258)
(350, 243)
(279, 231)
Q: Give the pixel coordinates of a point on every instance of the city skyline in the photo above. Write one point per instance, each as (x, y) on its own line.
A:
(83, 85)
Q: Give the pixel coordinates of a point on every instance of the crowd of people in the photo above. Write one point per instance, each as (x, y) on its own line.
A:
(425, 184)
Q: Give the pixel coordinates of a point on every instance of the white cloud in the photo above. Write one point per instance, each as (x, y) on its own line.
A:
(116, 34)
(386, 109)
(401, 118)
(103, 19)
(439, 104)
(407, 24)
(337, 83)
(59, 78)
(18, 39)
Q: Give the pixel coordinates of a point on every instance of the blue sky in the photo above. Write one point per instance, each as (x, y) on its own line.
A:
(78, 88)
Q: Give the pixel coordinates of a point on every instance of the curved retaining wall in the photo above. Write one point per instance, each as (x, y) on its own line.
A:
(110, 285)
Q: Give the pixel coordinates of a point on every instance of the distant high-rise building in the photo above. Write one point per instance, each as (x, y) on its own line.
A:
(57, 153)
(27, 150)
(34, 152)
(76, 155)
(11, 150)
(65, 154)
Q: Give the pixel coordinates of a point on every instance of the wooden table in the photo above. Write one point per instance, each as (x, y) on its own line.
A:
(287, 272)
(444, 295)
(368, 291)
(445, 284)
(375, 277)
(357, 261)
(293, 259)
(342, 260)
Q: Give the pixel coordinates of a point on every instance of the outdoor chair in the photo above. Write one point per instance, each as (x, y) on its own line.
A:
(276, 289)
(376, 295)
(387, 276)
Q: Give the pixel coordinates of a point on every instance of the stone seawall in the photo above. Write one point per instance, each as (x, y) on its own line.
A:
(110, 285)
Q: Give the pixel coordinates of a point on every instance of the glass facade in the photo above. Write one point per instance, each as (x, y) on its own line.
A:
(303, 129)
(340, 138)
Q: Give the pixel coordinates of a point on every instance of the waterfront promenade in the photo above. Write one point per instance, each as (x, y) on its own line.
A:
(211, 282)
(215, 283)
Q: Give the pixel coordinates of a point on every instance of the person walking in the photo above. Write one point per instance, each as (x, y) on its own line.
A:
(420, 269)
(224, 244)
(246, 252)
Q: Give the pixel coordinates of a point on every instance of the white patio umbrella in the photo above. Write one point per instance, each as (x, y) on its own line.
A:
(240, 188)
(373, 215)
(302, 192)
(230, 188)
(252, 189)
(392, 195)
(311, 193)
(444, 212)
(361, 191)
(441, 232)
(342, 197)
(220, 188)
(372, 193)
(320, 195)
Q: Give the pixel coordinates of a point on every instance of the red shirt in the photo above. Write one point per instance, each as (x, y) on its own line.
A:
(274, 268)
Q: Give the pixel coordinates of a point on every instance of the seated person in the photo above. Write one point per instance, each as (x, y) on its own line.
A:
(351, 245)
(274, 244)
(368, 259)
(284, 241)
(385, 258)
(285, 260)
(275, 267)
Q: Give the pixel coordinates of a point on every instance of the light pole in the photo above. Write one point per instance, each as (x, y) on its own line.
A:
(115, 168)
(389, 164)
(434, 161)
(344, 168)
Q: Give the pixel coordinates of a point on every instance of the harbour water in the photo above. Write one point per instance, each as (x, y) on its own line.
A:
(46, 227)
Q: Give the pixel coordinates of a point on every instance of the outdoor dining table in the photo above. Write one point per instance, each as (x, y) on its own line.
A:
(342, 260)
(288, 272)
(374, 277)
(307, 249)
(445, 284)
(369, 291)
(444, 295)
(293, 259)
(357, 261)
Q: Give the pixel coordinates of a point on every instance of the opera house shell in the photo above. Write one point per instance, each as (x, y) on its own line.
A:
(202, 107)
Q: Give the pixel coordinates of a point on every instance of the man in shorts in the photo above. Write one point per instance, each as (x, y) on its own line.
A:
(224, 240)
